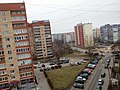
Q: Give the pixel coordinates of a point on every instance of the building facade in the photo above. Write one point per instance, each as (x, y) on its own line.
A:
(84, 35)
(67, 37)
(96, 35)
(16, 65)
(110, 33)
(42, 39)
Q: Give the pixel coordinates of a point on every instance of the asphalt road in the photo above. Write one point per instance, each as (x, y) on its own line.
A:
(97, 75)
(92, 81)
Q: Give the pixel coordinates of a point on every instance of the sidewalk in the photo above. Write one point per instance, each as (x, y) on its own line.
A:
(42, 81)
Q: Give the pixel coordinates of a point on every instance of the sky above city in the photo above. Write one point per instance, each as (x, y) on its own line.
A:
(65, 14)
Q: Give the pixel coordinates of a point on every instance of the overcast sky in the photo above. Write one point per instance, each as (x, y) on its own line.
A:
(65, 14)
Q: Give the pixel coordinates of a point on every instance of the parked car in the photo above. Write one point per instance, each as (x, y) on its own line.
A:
(48, 68)
(99, 87)
(79, 77)
(84, 75)
(94, 62)
(103, 75)
(78, 85)
(66, 61)
(52, 63)
(87, 70)
(60, 62)
(79, 80)
(91, 66)
(100, 82)
(72, 64)
(41, 69)
(76, 63)
(43, 65)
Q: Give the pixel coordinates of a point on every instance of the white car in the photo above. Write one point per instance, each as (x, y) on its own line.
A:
(79, 77)
(36, 89)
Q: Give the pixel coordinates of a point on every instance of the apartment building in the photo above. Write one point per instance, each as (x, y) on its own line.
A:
(16, 65)
(96, 35)
(83, 35)
(42, 39)
(67, 37)
(110, 33)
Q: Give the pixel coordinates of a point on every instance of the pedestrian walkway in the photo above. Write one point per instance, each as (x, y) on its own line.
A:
(42, 81)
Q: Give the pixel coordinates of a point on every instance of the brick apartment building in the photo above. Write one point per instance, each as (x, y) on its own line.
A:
(41, 40)
(15, 53)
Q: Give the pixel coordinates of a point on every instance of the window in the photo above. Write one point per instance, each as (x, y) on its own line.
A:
(3, 72)
(11, 65)
(9, 58)
(12, 77)
(4, 19)
(3, 78)
(0, 45)
(12, 71)
(24, 62)
(5, 26)
(2, 13)
(6, 32)
(18, 18)
(10, 52)
(7, 39)
(1, 52)
(2, 66)
(23, 37)
(21, 56)
(8, 46)
(21, 6)
(22, 43)
(20, 31)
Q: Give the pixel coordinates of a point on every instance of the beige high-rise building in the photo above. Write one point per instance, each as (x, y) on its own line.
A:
(88, 34)
(84, 35)
(42, 40)
(16, 67)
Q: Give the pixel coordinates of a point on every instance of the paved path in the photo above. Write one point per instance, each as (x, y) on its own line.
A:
(42, 81)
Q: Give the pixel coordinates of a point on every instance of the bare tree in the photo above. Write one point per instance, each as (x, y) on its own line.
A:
(60, 49)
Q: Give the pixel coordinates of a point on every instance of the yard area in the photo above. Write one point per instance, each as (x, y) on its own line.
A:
(63, 78)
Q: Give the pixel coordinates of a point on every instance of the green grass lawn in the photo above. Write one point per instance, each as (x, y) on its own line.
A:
(64, 77)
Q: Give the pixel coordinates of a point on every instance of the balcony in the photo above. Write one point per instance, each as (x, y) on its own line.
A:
(2, 60)
(25, 69)
(14, 13)
(19, 26)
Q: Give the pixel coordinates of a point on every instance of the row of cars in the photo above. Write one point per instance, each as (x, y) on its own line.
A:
(79, 62)
(83, 76)
(52, 65)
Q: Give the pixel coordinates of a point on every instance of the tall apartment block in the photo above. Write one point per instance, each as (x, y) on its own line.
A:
(16, 65)
(110, 33)
(83, 35)
(42, 39)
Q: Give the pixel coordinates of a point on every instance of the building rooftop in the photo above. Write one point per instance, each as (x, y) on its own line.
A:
(12, 6)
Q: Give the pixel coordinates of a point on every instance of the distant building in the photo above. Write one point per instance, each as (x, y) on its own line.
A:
(84, 35)
(67, 37)
(41, 39)
(96, 35)
(16, 65)
(110, 33)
